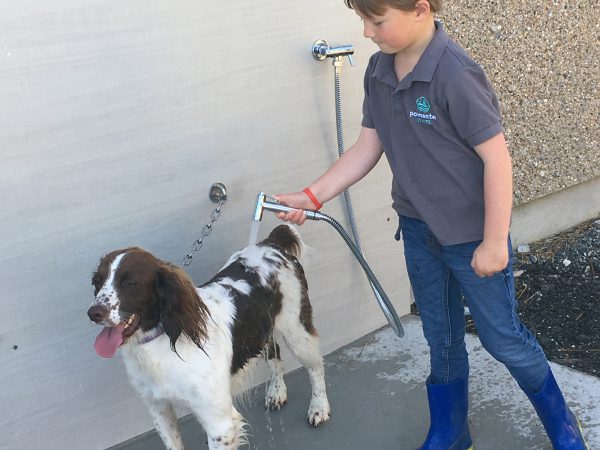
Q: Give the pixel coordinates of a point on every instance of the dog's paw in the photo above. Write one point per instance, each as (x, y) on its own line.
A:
(319, 411)
(276, 397)
(273, 403)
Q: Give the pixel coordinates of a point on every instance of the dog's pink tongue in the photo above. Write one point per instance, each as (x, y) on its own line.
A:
(108, 341)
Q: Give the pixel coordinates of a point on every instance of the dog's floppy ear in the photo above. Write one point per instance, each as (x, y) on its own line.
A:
(181, 309)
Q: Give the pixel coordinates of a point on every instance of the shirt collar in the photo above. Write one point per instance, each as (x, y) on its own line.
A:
(425, 67)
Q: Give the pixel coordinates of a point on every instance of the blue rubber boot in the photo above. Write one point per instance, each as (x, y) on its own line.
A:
(448, 406)
(560, 423)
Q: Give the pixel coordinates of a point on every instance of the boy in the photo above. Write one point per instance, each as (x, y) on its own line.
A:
(431, 110)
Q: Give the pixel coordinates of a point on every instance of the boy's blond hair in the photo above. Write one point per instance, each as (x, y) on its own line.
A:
(372, 8)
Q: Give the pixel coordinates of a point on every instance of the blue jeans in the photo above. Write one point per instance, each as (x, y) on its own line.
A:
(439, 274)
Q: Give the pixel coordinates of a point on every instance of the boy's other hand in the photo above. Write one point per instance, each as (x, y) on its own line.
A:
(489, 258)
(297, 200)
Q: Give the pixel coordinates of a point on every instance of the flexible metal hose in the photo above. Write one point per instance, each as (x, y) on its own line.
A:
(355, 246)
(340, 144)
(383, 300)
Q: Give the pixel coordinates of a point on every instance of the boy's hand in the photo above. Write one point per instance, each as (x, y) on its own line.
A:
(489, 258)
(297, 200)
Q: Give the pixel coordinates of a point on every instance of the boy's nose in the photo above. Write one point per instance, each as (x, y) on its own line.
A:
(368, 31)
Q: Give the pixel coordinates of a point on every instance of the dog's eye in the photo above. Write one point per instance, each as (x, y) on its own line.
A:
(128, 282)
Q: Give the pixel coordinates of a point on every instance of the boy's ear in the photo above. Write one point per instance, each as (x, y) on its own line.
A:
(422, 9)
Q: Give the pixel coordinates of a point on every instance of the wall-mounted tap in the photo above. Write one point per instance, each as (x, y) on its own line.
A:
(322, 50)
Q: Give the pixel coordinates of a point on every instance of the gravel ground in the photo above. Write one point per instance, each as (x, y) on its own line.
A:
(557, 281)
(558, 288)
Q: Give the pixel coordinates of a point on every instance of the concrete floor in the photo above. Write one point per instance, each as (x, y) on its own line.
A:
(378, 401)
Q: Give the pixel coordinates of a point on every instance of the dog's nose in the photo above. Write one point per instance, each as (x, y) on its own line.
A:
(97, 313)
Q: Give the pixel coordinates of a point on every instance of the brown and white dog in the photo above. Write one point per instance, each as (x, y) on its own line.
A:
(185, 345)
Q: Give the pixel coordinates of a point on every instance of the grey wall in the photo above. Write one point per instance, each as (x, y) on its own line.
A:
(116, 117)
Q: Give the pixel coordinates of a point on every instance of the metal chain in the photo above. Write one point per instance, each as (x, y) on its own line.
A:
(206, 229)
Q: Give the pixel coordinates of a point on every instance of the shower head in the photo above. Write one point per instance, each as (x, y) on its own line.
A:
(262, 203)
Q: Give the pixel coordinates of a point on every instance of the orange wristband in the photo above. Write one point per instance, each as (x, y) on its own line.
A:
(313, 199)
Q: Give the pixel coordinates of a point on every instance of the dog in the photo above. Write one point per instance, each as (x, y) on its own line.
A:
(188, 346)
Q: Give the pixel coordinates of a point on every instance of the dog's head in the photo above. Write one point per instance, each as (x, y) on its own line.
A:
(137, 292)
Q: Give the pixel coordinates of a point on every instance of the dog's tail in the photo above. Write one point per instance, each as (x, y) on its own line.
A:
(287, 238)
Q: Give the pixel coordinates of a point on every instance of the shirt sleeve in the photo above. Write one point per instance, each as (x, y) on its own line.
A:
(473, 106)
(367, 120)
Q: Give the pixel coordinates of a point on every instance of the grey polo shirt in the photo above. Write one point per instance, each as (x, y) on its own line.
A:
(429, 123)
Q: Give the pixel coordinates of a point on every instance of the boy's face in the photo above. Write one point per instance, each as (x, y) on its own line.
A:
(393, 31)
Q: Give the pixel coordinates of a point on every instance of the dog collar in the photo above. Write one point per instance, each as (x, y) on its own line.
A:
(152, 334)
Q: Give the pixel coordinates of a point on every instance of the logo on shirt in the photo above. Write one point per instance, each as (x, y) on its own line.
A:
(423, 105)
(422, 117)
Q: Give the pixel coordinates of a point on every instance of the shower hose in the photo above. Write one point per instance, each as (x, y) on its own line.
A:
(355, 246)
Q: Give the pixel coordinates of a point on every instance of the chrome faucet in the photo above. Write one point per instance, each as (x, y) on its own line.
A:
(322, 50)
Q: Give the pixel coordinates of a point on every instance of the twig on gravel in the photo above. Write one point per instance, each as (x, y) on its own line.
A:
(535, 294)
(522, 292)
(591, 266)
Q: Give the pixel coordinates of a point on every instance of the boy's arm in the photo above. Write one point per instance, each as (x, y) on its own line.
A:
(354, 164)
(492, 254)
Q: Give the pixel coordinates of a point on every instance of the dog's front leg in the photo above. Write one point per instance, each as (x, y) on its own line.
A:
(165, 422)
(223, 424)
